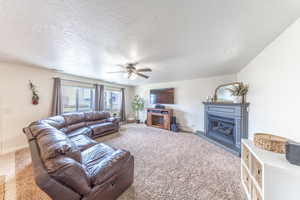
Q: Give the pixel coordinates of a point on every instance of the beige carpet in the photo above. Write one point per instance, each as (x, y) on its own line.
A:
(177, 166)
(2, 187)
(25, 185)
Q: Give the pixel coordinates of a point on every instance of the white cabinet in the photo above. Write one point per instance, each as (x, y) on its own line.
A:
(268, 176)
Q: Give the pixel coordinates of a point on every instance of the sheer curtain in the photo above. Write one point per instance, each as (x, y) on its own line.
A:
(122, 112)
(57, 98)
(99, 97)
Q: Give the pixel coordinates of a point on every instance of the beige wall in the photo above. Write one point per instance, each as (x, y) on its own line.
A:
(16, 110)
(189, 95)
(274, 80)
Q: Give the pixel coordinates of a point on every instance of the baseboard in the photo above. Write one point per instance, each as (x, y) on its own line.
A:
(199, 132)
(185, 130)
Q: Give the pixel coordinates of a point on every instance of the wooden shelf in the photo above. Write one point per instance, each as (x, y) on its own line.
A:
(158, 114)
(156, 126)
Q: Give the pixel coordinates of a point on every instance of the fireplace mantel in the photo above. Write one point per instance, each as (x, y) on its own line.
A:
(237, 113)
(226, 103)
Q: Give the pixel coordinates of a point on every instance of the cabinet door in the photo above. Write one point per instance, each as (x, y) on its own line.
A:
(255, 194)
(246, 155)
(257, 170)
(167, 122)
(247, 180)
(149, 118)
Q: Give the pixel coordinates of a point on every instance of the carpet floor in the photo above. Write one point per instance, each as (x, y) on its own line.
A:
(172, 166)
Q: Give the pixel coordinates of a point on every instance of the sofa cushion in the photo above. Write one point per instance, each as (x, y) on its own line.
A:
(92, 154)
(81, 131)
(89, 123)
(69, 172)
(83, 142)
(56, 121)
(102, 162)
(53, 143)
(74, 118)
(70, 128)
(96, 115)
(74, 121)
(98, 129)
(37, 128)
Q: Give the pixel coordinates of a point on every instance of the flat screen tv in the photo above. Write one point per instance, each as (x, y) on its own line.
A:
(162, 96)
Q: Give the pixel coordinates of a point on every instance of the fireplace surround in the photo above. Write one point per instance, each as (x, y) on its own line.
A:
(226, 124)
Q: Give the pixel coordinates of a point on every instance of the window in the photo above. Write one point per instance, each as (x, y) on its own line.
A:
(113, 101)
(77, 99)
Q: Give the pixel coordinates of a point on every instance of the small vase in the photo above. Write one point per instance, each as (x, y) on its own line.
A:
(35, 101)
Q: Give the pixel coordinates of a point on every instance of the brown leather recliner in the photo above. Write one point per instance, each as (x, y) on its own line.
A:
(69, 165)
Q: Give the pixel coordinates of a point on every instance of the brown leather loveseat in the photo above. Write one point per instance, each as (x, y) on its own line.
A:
(69, 165)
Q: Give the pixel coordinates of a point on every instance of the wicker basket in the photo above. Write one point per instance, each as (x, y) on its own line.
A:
(270, 142)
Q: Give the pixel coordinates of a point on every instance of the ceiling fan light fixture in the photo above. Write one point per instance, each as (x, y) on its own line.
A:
(126, 75)
(133, 76)
(130, 72)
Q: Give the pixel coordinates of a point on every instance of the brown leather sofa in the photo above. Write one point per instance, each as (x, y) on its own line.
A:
(69, 165)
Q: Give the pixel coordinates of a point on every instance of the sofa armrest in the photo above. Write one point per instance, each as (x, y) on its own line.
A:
(109, 166)
(69, 172)
(28, 134)
(45, 181)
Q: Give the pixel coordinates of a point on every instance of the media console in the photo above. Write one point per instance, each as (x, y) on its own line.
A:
(159, 118)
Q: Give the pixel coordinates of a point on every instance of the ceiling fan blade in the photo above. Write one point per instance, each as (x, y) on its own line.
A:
(142, 75)
(133, 64)
(117, 72)
(120, 65)
(144, 70)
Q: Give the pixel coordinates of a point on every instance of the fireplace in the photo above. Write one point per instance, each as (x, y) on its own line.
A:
(157, 120)
(226, 124)
(221, 129)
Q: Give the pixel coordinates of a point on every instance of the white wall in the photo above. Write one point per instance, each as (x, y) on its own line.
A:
(16, 110)
(274, 80)
(189, 95)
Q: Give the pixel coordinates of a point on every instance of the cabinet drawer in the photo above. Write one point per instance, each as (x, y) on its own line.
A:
(246, 155)
(257, 171)
(255, 193)
(246, 179)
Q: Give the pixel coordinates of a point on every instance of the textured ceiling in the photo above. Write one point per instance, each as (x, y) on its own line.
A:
(178, 39)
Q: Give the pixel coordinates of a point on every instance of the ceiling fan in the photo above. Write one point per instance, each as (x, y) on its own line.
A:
(131, 72)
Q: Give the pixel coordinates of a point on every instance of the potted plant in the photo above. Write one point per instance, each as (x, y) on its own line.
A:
(137, 105)
(239, 91)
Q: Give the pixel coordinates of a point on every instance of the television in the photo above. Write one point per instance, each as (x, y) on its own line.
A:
(162, 96)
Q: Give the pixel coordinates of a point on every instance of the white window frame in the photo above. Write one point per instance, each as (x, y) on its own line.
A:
(110, 110)
(78, 87)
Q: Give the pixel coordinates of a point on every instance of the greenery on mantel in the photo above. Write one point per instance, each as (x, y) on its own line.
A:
(239, 90)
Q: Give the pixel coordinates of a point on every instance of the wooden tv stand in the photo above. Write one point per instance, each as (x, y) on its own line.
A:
(159, 118)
